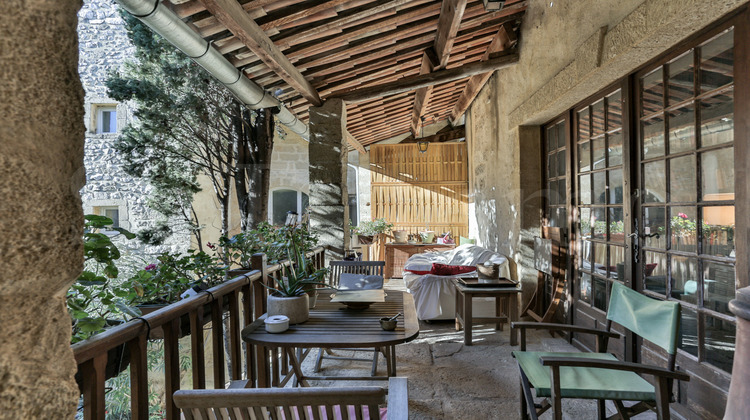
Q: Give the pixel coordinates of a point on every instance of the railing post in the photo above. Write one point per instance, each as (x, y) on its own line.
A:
(171, 366)
(259, 354)
(197, 350)
(92, 374)
(138, 378)
(217, 339)
(235, 350)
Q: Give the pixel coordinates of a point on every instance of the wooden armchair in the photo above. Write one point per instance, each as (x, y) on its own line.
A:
(364, 268)
(362, 402)
(600, 375)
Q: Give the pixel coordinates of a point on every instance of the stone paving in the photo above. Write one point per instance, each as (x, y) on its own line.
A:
(448, 380)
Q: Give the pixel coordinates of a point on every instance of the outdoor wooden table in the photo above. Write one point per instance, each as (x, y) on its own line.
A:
(465, 318)
(333, 325)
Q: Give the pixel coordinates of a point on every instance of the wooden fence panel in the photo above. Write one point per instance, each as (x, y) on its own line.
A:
(416, 190)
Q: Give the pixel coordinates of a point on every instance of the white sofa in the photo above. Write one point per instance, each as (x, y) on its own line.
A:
(435, 296)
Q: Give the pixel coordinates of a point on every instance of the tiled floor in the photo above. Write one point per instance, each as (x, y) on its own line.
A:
(448, 380)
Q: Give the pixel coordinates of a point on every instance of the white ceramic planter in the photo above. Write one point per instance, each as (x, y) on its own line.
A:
(296, 308)
(427, 236)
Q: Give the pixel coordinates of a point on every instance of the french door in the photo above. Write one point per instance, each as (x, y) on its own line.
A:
(650, 166)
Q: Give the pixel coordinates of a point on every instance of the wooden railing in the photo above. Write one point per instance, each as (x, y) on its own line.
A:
(243, 297)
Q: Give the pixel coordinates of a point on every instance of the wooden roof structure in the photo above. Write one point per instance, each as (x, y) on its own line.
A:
(397, 63)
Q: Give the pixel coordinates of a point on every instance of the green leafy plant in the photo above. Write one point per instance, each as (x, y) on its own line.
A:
(95, 298)
(163, 282)
(266, 238)
(301, 274)
(372, 227)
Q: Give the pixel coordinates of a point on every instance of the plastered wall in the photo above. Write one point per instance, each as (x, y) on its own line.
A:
(569, 50)
(41, 220)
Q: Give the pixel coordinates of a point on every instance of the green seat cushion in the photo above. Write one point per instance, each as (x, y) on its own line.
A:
(590, 383)
(463, 241)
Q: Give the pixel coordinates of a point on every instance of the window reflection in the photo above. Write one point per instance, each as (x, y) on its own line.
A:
(684, 280)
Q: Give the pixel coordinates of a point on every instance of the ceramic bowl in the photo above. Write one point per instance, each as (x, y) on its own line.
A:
(388, 324)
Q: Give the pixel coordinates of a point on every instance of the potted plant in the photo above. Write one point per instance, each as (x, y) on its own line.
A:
(164, 282)
(367, 229)
(289, 295)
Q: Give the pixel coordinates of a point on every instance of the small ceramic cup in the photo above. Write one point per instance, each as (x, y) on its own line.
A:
(388, 324)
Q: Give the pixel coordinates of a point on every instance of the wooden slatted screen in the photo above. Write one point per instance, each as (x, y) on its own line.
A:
(416, 190)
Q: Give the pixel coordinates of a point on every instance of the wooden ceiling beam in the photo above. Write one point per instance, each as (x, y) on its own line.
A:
(296, 36)
(354, 143)
(415, 82)
(451, 13)
(233, 16)
(503, 40)
(373, 29)
(454, 134)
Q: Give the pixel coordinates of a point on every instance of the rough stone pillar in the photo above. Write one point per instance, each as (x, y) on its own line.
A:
(329, 214)
(41, 220)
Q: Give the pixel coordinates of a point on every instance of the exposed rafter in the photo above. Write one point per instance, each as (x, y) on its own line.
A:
(234, 17)
(440, 137)
(503, 40)
(307, 51)
(436, 58)
(407, 84)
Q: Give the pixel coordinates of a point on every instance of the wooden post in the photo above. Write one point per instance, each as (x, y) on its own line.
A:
(197, 352)
(234, 335)
(92, 374)
(138, 378)
(217, 338)
(171, 366)
(259, 364)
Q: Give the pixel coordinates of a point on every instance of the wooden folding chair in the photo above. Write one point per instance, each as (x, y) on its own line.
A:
(364, 402)
(600, 375)
(363, 268)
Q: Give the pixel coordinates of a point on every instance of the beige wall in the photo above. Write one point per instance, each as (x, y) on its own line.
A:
(41, 220)
(290, 166)
(569, 50)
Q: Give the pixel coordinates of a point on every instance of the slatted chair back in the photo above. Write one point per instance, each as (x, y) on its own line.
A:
(654, 320)
(281, 403)
(366, 268)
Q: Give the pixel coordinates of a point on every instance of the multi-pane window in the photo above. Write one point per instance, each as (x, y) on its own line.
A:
(686, 135)
(556, 174)
(599, 169)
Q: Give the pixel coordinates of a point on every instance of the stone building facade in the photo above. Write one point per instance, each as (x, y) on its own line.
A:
(103, 48)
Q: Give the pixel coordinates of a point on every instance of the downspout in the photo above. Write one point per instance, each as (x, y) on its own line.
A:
(168, 25)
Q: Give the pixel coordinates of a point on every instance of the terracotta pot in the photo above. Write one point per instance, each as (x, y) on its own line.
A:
(399, 236)
(296, 308)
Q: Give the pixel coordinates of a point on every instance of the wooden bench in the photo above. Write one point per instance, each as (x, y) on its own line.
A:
(362, 402)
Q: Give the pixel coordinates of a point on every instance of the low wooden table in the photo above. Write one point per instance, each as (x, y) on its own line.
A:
(333, 325)
(397, 254)
(506, 308)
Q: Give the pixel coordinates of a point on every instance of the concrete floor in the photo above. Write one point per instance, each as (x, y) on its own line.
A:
(448, 380)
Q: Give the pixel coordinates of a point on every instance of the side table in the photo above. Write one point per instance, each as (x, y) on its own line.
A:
(506, 308)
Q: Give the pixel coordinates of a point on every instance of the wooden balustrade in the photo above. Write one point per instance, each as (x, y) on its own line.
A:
(243, 298)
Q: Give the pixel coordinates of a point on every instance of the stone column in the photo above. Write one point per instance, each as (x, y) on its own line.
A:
(329, 214)
(41, 220)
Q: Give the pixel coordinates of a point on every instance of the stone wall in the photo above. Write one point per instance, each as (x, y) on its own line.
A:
(41, 171)
(103, 48)
(290, 163)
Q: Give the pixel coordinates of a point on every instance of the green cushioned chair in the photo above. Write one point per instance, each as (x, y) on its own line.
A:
(600, 376)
